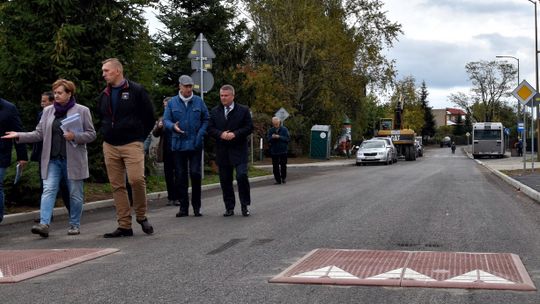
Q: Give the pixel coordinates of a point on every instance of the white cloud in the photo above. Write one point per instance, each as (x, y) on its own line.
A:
(442, 36)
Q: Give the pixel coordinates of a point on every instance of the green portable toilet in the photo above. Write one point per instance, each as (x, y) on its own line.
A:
(320, 142)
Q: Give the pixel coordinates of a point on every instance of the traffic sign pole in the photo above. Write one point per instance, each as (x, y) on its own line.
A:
(525, 93)
(201, 53)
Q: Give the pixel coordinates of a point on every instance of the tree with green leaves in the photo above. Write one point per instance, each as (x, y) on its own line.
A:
(43, 40)
(459, 128)
(492, 82)
(413, 114)
(325, 54)
(428, 130)
(218, 21)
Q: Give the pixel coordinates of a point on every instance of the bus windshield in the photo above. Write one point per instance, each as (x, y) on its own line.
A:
(487, 134)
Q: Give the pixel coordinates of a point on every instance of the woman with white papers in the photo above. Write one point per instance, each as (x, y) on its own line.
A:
(61, 123)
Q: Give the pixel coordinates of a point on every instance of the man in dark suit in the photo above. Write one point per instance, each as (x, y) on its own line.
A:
(230, 125)
(9, 120)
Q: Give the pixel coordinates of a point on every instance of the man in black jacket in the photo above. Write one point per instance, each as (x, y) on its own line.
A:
(230, 125)
(9, 121)
(127, 117)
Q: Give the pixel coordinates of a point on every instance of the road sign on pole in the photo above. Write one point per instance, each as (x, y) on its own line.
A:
(524, 92)
(207, 81)
(282, 114)
(201, 56)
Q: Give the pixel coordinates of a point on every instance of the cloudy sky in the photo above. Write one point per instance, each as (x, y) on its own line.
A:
(441, 36)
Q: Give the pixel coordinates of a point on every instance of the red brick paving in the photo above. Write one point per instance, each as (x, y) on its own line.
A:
(409, 269)
(18, 265)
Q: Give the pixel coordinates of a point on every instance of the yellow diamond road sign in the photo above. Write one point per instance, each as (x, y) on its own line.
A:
(524, 92)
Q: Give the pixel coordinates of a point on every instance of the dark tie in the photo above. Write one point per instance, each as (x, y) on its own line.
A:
(227, 110)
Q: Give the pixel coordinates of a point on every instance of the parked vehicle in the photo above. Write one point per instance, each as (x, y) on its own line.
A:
(374, 151)
(390, 143)
(402, 138)
(419, 146)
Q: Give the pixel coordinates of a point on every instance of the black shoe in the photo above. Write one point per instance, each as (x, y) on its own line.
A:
(181, 214)
(245, 211)
(119, 232)
(228, 213)
(277, 183)
(283, 181)
(146, 227)
(197, 213)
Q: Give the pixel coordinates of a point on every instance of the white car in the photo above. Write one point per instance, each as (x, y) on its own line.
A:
(374, 151)
(390, 143)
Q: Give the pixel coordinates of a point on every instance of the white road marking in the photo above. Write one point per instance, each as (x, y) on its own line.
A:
(397, 274)
(479, 275)
(332, 272)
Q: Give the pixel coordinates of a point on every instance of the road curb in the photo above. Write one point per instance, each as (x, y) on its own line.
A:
(29, 216)
(528, 191)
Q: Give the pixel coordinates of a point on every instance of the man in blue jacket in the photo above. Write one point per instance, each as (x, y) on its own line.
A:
(9, 121)
(278, 139)
(186, 119)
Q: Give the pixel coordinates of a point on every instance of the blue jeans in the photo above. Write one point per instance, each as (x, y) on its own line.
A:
(2, 174)
(58, 170)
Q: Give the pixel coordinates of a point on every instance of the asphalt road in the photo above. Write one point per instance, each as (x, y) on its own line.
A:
(441, 202)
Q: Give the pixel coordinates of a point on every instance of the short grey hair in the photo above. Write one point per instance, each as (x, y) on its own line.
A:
(227, 87)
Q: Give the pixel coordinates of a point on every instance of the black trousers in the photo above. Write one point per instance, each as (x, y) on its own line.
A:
(279, 167)
(170, 178)
(226, 182)
(188, 164)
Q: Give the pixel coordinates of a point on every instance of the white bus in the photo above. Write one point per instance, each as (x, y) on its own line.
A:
(488, 139)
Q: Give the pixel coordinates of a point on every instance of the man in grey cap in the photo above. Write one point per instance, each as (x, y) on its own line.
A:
(186, 118)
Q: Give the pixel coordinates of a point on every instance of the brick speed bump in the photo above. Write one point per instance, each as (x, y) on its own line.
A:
(18, 265)
(409, 269)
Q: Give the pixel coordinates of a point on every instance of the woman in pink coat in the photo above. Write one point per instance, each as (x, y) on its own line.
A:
(64, 153)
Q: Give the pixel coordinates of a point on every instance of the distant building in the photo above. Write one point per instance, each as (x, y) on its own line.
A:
(448, 116)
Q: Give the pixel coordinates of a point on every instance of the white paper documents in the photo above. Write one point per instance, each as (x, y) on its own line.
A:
(73, 124)
(18, 174)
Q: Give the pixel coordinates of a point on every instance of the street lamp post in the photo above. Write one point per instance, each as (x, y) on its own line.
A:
(517, 59)
(523, 136)
(532, 102)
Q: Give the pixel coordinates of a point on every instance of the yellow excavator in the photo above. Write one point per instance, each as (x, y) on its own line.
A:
(403, 139)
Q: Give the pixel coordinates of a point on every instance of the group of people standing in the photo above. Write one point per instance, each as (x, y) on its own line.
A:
(126, 117)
